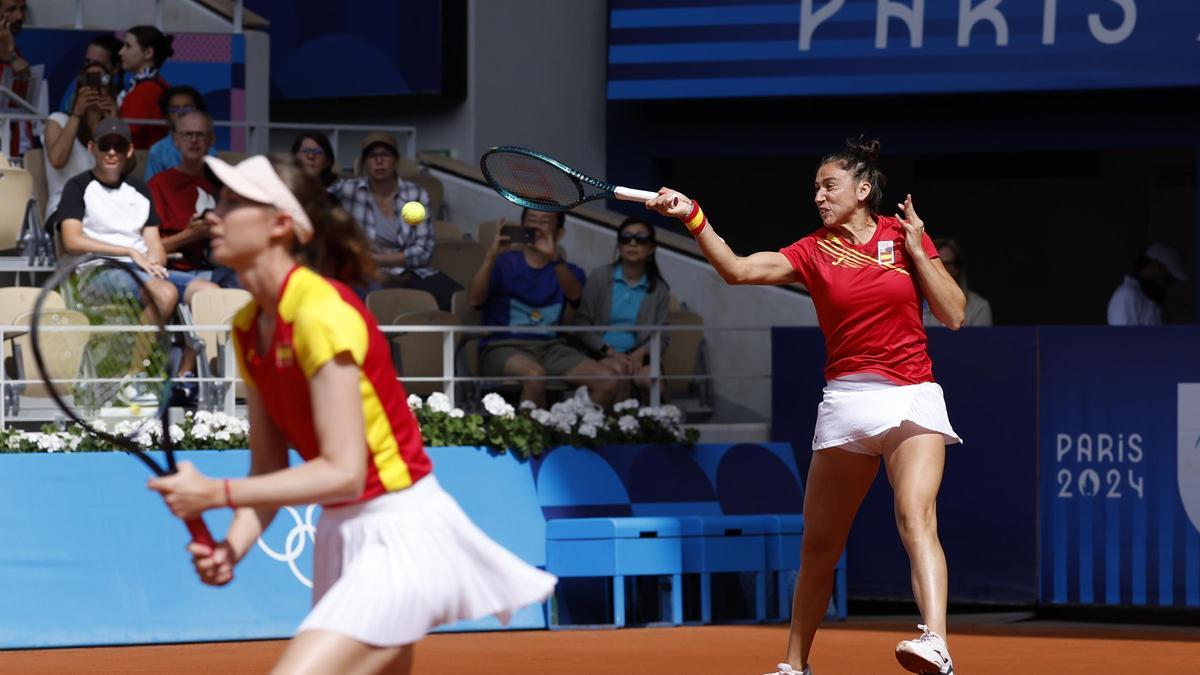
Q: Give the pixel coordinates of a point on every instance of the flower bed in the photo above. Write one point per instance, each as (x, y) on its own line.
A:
(525, 430)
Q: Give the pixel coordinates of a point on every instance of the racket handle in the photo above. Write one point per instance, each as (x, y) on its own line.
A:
(200, 533)
(631, 195)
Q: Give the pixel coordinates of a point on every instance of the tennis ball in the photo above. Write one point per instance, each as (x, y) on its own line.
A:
(413, 213)
(135, 409)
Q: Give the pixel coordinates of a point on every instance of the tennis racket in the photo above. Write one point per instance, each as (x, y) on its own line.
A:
(538, 182)
(115, 338)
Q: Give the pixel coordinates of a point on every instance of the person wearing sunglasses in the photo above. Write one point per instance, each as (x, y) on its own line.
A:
(315, 154)
(104, 212)
(174, 104)
(630, 291)
(65, 136)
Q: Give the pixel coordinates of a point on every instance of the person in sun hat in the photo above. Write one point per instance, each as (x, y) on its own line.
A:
(395, 555)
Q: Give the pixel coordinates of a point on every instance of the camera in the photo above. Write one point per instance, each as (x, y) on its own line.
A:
(519, 234)
(94, 80)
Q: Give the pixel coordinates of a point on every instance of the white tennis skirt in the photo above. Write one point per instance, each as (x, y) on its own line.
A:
(858, 410)
(389, 570)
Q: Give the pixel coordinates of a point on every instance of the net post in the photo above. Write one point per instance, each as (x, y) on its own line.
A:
(656, 367)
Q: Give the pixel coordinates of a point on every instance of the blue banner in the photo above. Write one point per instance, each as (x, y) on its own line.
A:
(1120, 466)
(666, 49)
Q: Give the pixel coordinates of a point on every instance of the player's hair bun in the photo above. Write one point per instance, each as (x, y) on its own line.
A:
(863, 150)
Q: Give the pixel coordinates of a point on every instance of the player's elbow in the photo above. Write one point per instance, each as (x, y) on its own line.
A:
(347, 483)
(736, 274)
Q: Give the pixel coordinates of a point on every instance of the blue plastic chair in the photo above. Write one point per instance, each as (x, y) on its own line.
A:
(783, 535)
(617, 548)
(717, 544)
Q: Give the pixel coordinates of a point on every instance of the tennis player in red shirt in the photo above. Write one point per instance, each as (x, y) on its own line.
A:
(395, 555)
(867, 274)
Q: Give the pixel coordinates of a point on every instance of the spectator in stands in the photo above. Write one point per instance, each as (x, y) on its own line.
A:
(629, 292)
(315, 153)
(145, 50)
(534, 286)
(979, 310)
(1138, 301)
(103, 50)
(375, 199)
(173, 104)
(12, 19)
(182, 197)
(67, 135)
(107, 213)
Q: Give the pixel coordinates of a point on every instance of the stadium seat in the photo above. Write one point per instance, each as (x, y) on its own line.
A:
(419, 354)
(444, 230)
(457, 259)
(388, 303)
(682, 353)
(721, 544)
(65, 350)
(435, 190)
(35, 164)
(216, 307)
(16, 190)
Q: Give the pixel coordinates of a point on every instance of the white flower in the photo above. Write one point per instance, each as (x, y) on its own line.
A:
(47, 442)
(438, 402)
(99, 425)
(593, 418)
(627, 404)
(73, 441)
(457, 412)
(628, 424)
(587, 430)
(176, 433)
(541, 417)
(201, 432)
(496, 405)
(14, 441)
(671, 413)
(528, 405)
(414, 402)
(223, 435)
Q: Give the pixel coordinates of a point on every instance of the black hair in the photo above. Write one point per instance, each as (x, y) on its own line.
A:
(149, 37)
(653, 275)
(861, 158)
(560, 217)
(111, 45)
(339, 248)
(164, 101)
(318, 137)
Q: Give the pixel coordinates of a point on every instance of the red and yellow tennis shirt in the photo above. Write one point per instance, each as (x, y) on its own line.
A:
(319, 319)
(868, 302)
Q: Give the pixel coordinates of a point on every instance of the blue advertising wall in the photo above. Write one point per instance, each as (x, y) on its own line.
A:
(664, 49)
(1120, 480)
(988, 502)
(89, 556)
(1079, 482)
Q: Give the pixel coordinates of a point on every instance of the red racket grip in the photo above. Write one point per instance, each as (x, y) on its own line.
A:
(200, 533)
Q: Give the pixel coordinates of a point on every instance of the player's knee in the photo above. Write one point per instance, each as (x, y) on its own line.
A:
(820, 551)
(915, 520)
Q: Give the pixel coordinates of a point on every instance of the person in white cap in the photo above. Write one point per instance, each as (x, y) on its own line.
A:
(395, 555)
(1138, 301)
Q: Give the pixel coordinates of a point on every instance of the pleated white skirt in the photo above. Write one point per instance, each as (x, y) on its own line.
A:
(388, 571)
(865, 406)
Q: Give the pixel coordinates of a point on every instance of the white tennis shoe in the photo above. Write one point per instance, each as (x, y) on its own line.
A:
(785, 669)
(927, 654)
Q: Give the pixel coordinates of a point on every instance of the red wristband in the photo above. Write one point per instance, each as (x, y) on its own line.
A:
(695, 220)
(228, 496)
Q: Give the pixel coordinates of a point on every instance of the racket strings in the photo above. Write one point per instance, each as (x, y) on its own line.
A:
(132, 367)
(533, 180)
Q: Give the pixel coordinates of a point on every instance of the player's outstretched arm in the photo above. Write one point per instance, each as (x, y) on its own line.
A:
(768, 268)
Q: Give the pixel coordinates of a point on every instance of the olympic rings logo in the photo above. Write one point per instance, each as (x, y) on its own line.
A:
(294, 545)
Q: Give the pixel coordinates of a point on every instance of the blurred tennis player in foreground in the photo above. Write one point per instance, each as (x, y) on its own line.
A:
(395, 555)
(867, 274)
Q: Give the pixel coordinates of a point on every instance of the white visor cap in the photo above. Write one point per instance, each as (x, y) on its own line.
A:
(255, 179)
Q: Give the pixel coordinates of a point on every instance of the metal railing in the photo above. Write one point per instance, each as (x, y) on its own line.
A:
(454, 339)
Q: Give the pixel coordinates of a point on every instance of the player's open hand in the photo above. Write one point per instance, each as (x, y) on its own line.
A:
(670, 203)
(914, 227)
(187, 492)
(213, 565)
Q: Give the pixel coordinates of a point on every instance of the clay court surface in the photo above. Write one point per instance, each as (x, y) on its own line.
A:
(857, 648)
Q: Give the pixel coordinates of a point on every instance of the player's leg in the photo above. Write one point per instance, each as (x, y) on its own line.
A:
(915, 459)
(837, 482)
(320, 652)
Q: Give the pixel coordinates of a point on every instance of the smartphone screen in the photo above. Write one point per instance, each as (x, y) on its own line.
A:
(519, 234)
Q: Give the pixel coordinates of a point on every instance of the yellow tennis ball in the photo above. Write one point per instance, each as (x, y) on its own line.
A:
(413, 213)
(135, 409)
